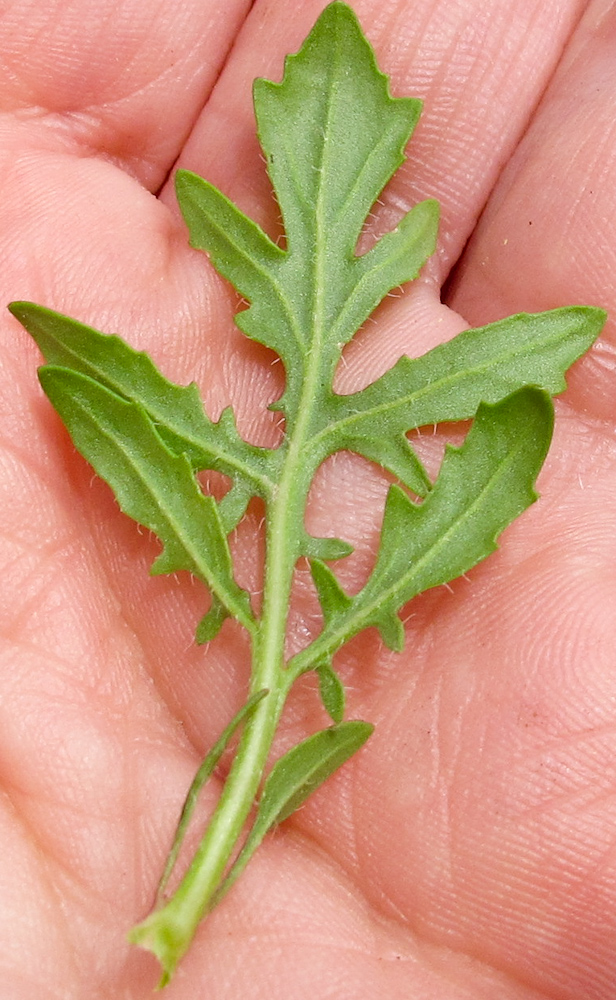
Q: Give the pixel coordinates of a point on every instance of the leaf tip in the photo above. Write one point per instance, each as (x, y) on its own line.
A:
(17, 307)
(332, 597)
(28, 313)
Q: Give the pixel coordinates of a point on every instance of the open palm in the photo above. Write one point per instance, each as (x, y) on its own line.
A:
(469, 852)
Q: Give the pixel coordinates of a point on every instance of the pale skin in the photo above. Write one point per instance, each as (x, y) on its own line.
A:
(469, 851)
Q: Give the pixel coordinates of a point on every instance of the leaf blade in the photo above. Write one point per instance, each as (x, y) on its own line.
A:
(329, 155)
(177, 411)
(153, 486)
(396, 259)
(485, 364)
(295, 776)
(327, 167)
(248, 259)
(331, 690)
(481, 488)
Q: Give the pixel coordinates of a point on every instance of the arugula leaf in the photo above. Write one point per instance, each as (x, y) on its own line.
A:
(332, 136)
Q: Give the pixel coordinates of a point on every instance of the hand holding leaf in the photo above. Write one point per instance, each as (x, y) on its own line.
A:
(332, 136)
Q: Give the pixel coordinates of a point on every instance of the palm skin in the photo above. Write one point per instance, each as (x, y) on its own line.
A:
(468, 852)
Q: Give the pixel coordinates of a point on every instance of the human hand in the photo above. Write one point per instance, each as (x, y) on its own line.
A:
(468, 851)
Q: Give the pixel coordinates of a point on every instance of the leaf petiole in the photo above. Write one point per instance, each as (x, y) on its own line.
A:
(205, 772)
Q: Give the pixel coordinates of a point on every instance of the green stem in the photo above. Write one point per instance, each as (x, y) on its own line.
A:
(168, 931)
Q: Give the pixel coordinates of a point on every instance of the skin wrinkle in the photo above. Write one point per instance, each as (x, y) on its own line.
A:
(24, 460)
(24, 611)
(101, 140)
(44, 864)
(416, 151)
(21, 617)
(581, 154)
(129, 621)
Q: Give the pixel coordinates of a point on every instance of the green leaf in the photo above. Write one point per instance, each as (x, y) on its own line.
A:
(294, 777)
(332, 137)
(481, 488)
(153, 485)
(176, 411)
(449, 382)
(212, 622)
(332, 597)
(304, 768)
(394, 453)
(325, 548)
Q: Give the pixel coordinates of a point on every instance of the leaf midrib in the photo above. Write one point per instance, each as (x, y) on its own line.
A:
(341, 426)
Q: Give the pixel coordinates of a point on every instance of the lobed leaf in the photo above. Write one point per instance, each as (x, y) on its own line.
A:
(329, 155)
(449, 382)
(481, 488)
(332, 136)
(154, 486)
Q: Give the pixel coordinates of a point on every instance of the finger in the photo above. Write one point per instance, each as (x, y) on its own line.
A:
(85, 88)
(117, 79)
(547, 234)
